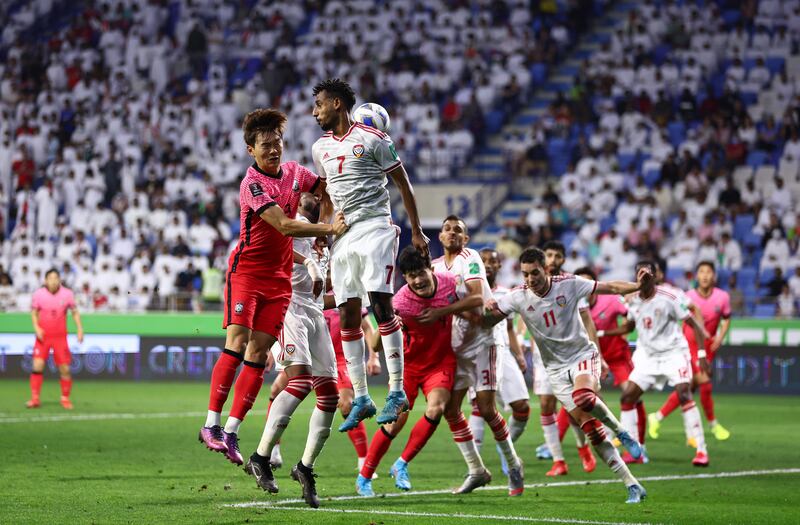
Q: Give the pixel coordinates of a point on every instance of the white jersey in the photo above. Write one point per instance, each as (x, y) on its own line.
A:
(302, 284)
(501, 329)
(355, 168)
(554, 320)
(658, 321)
(467, 266)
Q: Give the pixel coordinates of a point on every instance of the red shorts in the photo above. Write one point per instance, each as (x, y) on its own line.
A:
(621, 370)
(256, 303)
(343, 376)
(61, 354)
(413, 381)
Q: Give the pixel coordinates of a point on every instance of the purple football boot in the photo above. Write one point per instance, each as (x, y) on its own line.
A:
(232, 452)
(213, 439)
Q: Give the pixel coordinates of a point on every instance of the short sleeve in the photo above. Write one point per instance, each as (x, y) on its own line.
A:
(584, 287)
(385, 154)
(71, 300)
(475, 268)
(35, 303)
(583, 303)
(621, 307)
(317, 161)
(726, 305)
(255, 196)
(507, 304)
(308, 179)
(681, 305)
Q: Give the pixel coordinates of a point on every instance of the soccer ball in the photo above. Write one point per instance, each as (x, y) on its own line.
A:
(373, 115)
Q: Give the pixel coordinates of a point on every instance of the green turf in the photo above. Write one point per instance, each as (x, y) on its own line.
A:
(155, 471)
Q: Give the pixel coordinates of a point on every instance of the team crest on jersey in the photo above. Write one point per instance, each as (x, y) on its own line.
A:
(602, 315)
(561, 301)
(451, 298)
(296, 186)
(358, 150)
(239, 308)
(289, 349)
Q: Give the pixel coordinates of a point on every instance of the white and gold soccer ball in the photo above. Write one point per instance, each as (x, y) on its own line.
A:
(374, 115)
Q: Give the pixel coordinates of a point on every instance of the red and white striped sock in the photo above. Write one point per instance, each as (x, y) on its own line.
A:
(353, 349)
(550, 430)
(319, 426)
(466, 444)
(597, 436)
(392, 339)
(503, 439)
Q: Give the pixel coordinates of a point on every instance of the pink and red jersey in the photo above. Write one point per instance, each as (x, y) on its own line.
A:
(262, 249)
(427, 345)
(605, 312)
(714, 308)
(52, 309)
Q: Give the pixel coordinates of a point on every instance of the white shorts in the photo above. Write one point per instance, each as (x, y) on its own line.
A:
(477, 369)
(541, 381)
(510, 381)
(305, 340)
(672, 368)
(563, 379)
(363, 260)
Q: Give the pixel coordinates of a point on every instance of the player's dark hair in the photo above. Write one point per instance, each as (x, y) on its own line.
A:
(457, 219)
(51, 270)
(532, 255)
(650, 265)
(555, 245)
(487, 251)
(706, 263)
(411, 260)
(263, 120)
(337, 88)
(585, 270)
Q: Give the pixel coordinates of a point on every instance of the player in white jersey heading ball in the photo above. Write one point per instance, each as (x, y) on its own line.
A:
(549, 307)
(356, 160)
(662, 355)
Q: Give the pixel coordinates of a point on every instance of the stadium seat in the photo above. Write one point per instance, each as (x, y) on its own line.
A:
(764, 311)
(756, 158)
(743, 225)
(766, 275)
(752, 240)
(775, 63)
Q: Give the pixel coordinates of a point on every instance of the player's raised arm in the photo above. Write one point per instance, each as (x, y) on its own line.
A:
(624, 287)
(400, 178)
(275, 217)
(465, 304)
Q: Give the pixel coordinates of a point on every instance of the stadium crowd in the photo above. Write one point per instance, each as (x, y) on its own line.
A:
(120, 140)
(664, 148)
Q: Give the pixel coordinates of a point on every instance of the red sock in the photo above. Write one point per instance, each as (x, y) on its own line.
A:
(359, 438)
(222, 379)
(499, 427)
(380, 444)
(563, 423)
(66, 387)
(670, 404)
(707, 401)
(642, 423)
(247, 387)
(475, 410)
(420, 435)
(460, 428)
(36, 384)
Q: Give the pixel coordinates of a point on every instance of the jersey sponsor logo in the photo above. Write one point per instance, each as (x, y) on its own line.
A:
(256, 190)
(561, 301)
(474, 268)
(358, 150)
(289, 349)
(239, 308)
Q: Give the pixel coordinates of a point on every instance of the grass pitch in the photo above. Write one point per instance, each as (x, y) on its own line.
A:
(129, 453)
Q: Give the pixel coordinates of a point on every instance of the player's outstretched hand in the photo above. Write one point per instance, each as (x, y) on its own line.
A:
(39, 333)
(373, 365)
(644, 276)
(420, 242)
(270, 362)
(339, 226)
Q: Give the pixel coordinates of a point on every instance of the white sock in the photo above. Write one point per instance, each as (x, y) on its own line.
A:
(278, 419)
(319, 428)
(232, 425)
(606, 416)
(471, 456)
(212, 419)
(693, 425)
(507, 449)
(659, 415)
(630, 422)
(516, 427)
(612, 458)
(712, 423)
(276, 451)
(392, 339)
(476, 425)
(580, 437)
(550, 429)
(361, 463)
(354, 356)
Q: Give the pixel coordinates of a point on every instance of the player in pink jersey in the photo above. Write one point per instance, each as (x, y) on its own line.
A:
(715, 306)
(426, 306)
(49, 307)
(258, 281)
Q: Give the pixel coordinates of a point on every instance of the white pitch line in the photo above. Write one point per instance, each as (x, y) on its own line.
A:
(99, 417)
(452, 516)
(736, 474)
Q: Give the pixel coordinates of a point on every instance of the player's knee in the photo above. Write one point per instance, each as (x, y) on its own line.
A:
(684, 393)
(547, 404)
(383, 310)
(435, 411)
(521, 407)
(585, 399)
